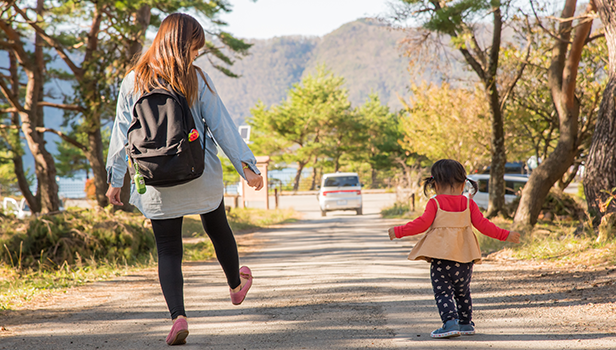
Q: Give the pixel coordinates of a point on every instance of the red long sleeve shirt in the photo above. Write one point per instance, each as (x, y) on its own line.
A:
(454, 204)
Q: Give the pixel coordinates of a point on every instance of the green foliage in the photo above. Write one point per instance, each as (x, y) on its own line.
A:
(71, 160)
(454, 15)
(448, 123)
(379, 132)
(229, 174)
(313, 122)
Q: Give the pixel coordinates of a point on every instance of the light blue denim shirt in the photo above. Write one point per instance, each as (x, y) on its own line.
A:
(198, 196)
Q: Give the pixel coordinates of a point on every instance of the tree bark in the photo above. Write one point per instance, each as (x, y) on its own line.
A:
(45, 166)
(32, 114)
(298, 175)
(373, 177)
(142, 21)
(562, 78)
(15, 142)
(92, 118)
(600, 171)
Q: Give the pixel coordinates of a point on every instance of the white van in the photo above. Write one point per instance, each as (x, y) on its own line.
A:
(340, 191)
(513, 188)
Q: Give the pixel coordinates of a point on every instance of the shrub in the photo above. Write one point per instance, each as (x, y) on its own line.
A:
(70, 236)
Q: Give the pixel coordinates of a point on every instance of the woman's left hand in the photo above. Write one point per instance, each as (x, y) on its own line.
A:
(253, 179)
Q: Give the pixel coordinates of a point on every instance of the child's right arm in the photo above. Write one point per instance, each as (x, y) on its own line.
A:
(417, 226)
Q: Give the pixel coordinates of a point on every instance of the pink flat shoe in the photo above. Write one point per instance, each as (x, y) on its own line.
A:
(178, 333)
(238, 297)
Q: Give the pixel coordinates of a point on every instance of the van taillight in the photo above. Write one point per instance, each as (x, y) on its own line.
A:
(358, 192)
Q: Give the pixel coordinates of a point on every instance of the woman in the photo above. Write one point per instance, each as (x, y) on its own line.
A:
(168, 62)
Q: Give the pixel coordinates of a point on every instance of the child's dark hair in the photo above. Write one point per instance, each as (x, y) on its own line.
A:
(447, 172)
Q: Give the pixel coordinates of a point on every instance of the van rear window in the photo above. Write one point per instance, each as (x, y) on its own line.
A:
(341, 181)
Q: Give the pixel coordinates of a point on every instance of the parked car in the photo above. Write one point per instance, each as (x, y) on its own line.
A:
(340, 191)
(510, 168)
(513, 187)
(18, 208)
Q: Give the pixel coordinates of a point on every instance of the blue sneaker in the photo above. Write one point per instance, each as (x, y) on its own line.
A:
(467, 329)
(450, 329)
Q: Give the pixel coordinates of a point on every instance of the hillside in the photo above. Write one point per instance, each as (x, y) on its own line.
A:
(364, 52)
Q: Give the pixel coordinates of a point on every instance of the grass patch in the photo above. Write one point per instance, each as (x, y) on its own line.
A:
(18, 287)
(51, 253)
(397, 211)
(241, 220)
(199, 251)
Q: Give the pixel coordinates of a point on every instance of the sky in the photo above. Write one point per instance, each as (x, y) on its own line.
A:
(265, 19)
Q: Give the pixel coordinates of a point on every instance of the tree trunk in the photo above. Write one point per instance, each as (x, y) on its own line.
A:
(569, 176)
(373, 177)
(496, 185)
(562, 77)
(315, 174)
(94, 154)
(600, 172)
(14, 142)
(142, 21)
(45, 167)
(298, 175)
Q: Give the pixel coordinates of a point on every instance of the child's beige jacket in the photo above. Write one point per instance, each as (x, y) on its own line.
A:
(450, 237)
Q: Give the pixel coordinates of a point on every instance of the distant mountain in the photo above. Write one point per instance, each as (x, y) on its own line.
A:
(364, 52)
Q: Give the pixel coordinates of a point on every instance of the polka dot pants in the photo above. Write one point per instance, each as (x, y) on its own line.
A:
(451, 282)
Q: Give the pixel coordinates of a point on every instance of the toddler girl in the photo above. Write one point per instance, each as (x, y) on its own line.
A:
(450, 244)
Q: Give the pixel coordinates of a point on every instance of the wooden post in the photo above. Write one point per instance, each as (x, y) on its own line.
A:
(412, 202)
(249, 193)
(276, 197)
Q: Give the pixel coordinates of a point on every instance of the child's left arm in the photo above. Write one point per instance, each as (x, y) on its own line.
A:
(485, 226)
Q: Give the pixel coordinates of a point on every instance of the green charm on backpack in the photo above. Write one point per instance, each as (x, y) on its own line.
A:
(139, 181)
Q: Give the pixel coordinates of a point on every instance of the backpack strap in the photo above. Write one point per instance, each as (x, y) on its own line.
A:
(207, 132)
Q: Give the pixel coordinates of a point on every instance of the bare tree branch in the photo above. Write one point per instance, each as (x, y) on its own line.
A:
(10, 97)
(62, 106)
(549, 32)
(41, 129)
(523, 64)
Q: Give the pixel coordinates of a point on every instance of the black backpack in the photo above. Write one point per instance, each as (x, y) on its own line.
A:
(163, 141)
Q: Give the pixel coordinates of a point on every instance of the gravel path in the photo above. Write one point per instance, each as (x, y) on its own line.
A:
(327, 283)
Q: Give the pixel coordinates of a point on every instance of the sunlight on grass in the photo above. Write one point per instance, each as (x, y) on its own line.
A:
(20, 285)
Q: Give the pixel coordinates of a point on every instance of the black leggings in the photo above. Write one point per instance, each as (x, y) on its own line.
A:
(451, 283)
(168, 233)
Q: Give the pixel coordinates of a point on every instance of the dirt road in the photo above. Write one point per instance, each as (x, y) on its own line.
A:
(324, 283)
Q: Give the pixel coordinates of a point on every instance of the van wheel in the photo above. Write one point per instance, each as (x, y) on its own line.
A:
(323, 212)
(359, 211)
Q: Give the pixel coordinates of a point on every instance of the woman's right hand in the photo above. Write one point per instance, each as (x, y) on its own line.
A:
(113, 193)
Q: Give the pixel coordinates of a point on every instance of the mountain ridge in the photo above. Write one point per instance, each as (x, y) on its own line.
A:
(364, 52)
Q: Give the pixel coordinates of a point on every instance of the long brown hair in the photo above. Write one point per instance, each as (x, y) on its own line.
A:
(169, 58)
